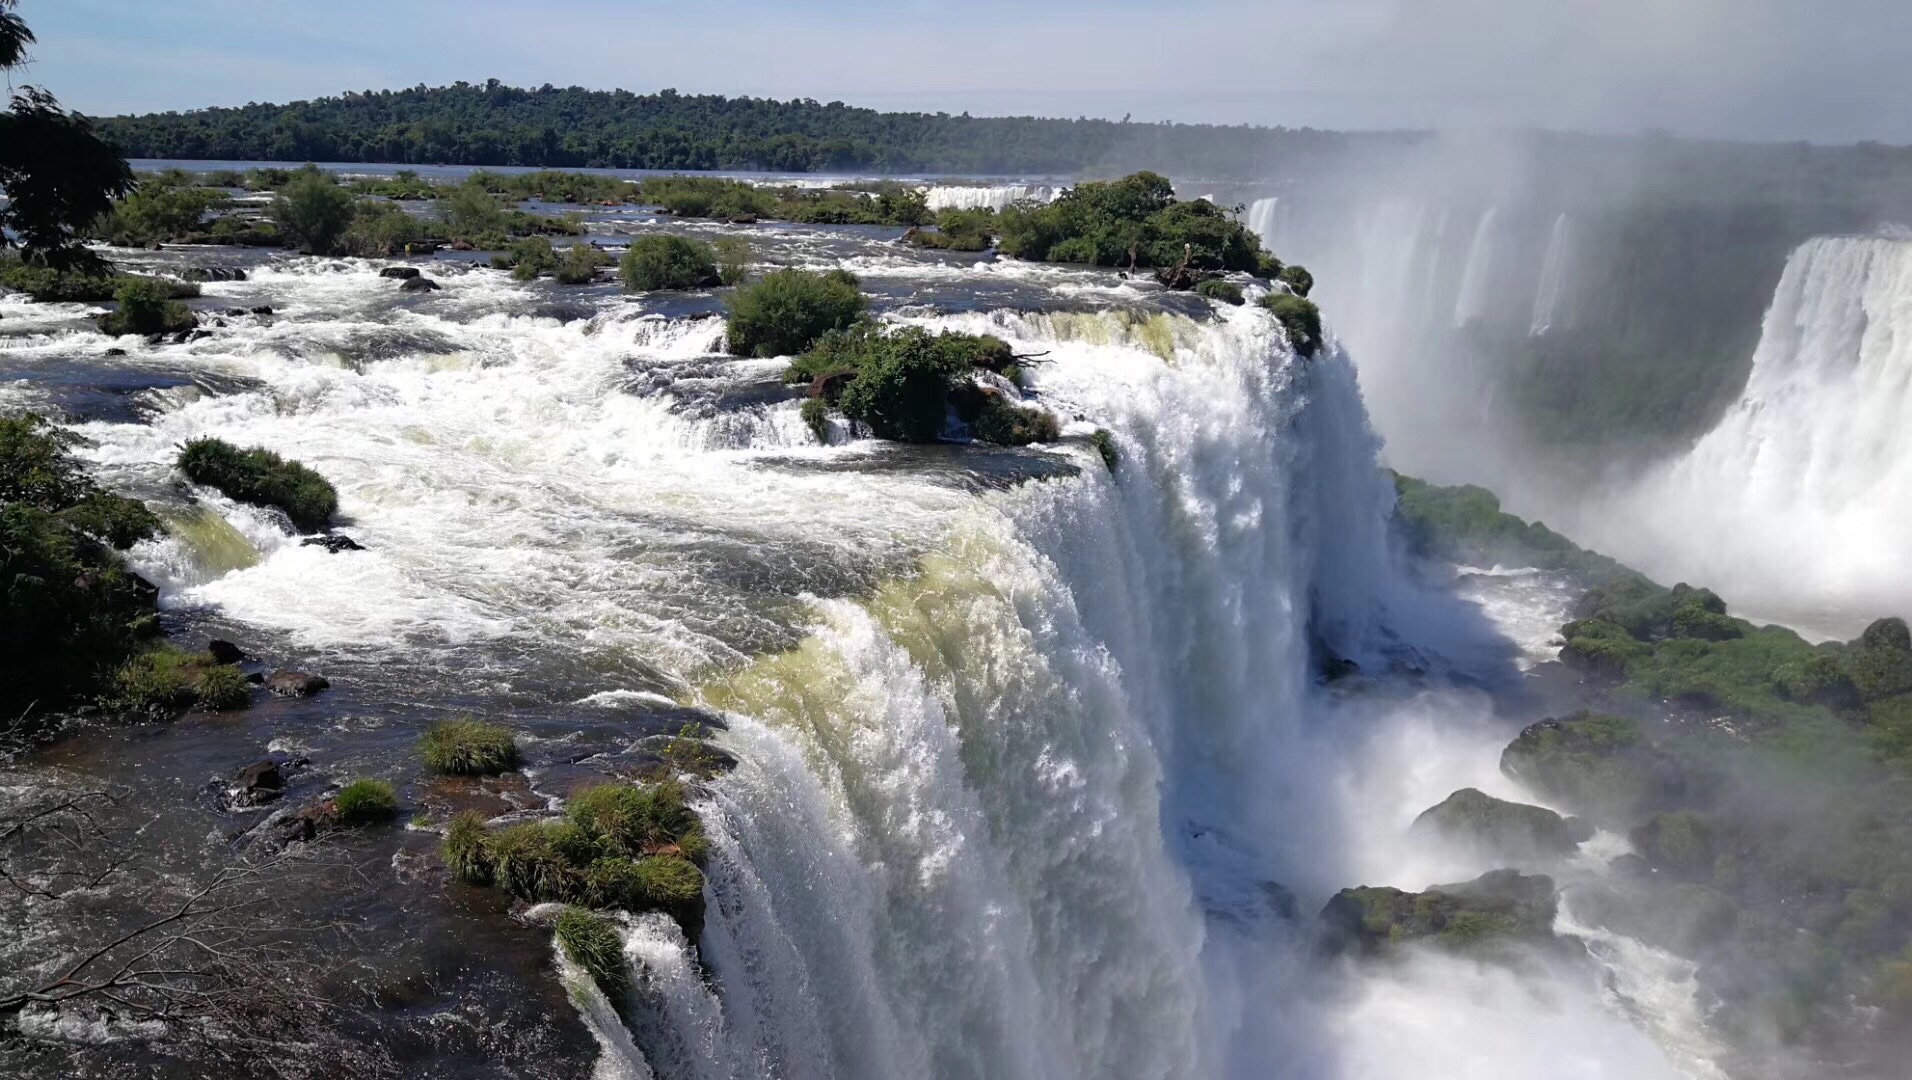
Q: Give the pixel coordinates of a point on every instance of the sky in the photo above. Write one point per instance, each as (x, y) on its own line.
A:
(1823, 70)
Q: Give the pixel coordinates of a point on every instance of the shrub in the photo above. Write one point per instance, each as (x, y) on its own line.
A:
(703, 196)
(262, 478)
(541, 860)
(381, 229)
(224, 688)
(670, 883)
(1226, 292)
(1297, 278)
(527, 258)
(313, 210)
(467, 849)
(158, 683)
(158, 212)
(470, 213)
(1104, 444)
(902, 385)
(1267, 266)
(633, 819)
(667, 262)
(146, 307)
(593, 943)
(1300, 318)
(816, 416)
(468, 747)
(366, 802)
(785, 312)
(579, 265)
(959, 230)
(733, 259)
(1136, 219)
(1014, 425)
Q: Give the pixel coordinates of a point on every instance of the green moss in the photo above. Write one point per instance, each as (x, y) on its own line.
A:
(146, 307)
(593, 943)
(1501, 907)
(1015, 425)
(1104, 443)
(1297, 278)
(1300, 318)
(467, 849)
(1880, 661)
(1465, 524)
(1516, 830)
(1597, 765)
(788, 310)
(1221, 290)
(262, 478)
(667, 262)
(366, 802)
(816, 416)
(1679, 842)
(468, 747)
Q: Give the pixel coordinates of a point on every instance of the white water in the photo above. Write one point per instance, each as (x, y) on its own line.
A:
(1797, 505)
(1477, 275)
(1015, 808)
(970, 197)
(1553, 277)
(1268, 218)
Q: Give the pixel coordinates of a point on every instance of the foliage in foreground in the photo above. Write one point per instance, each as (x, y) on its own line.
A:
(366, 802)
(146, 308)
(668, 262)
(1300, 318)
(593, 943)
(70, 610)
(786, 311)
(262, 478)
(47, 285)
(468, 747)
(164, 681)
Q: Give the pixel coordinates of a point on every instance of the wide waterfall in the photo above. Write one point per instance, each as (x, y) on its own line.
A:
(1796, 502)
(998, 197)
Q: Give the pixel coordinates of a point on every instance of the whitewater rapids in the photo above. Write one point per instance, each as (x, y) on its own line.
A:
(1035, 779)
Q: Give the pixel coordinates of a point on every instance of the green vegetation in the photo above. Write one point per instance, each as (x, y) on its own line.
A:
(366, 802)
(1515, 830)
(314, 211)
(1104, 442)
(164, 681)
(733, 259)
(1004, 424)
(593, 943)
(1481, 917)
(159, 212)
(381, 229)
(1297, 278)
(902, 384)
(146, 308)
(815, 413)
(262, 478)
(468, 747)
(707, 197)
(619, 846)
(69, 608)
(786, 311)
(1131, 222)
(579, 265)
(528, 259)
(1598, 765)
(959, 230)
(1226, 292)
(667, 262)
(1300, 318)
(47, 285)
(1465, 525)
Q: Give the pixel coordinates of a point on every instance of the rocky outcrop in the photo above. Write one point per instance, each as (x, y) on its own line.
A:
(213, 273)
(333, 542)
(259, 782)
(224, 652)
(1600, 766)
(419, 284)
(400, 273)
(295, 684)
(1496, 910)
(1514, 831)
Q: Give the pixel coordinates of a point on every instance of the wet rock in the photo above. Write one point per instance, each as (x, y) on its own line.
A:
(256, 678)
(301, 826)
(419, 284)
(116, 352)
(1629, 866)
(333, 542)
(295, 684)
(1474, 819)
(1499, 908)
(744, 219)
(198, 334)
(422, 247)
(262, 309)
(259, 782)
(462, 245)
(213, 273)
(225, 652)
(400, 273)
(145, 592)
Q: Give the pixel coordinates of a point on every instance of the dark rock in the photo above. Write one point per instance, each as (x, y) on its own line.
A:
(302, 825)
(1498, 908)
(462, 245)
(262, 309)
(213, 273)
(1510, 830)
(259, 782)
(333, 542)
(1629, 866)
(422, 247)
(116, 352)
(234, 312)
(419, 284)
(743, 219)
(401, 273)
(224, 652)
(198, 334)
(256, 678)
(296, 684)
(145, 592)
(1600, 766)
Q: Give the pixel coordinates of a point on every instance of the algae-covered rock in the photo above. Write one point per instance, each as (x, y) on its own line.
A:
(1512, 830)
(1498, 908)
(1679, 843)
(1600, 766)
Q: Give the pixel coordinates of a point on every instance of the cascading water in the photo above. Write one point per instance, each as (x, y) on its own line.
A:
(1470, 305)
(1266, 218)
(970, 197)
(1553, 277)
(1796, 503)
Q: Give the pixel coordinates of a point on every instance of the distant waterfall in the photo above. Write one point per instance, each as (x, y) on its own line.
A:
(1804, 489)
(1477, 276)
(969, 197)
(1267, 218)
(1553, 276)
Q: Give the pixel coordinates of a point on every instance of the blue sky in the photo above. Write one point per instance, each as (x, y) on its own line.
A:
(1776, 69)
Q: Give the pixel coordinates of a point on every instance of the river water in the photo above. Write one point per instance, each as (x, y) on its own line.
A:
(1037, 775)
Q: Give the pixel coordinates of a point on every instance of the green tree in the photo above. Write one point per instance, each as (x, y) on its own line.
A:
(314, 210)
(59, 177)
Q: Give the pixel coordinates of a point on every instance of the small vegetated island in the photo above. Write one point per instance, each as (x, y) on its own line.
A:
(1765, 783)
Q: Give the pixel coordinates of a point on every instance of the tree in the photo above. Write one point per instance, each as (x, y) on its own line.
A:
(314, 210)
(58, 175)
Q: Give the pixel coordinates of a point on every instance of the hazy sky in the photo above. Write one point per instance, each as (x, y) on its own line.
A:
(1828, 70)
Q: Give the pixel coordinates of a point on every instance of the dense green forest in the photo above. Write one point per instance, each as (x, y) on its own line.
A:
(493, 124)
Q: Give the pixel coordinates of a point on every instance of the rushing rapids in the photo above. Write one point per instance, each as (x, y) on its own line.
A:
(1036, 776)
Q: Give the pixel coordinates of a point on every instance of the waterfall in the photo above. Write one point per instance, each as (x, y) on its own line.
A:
(1268, 218)
(970, 197)
(1477, 275)
(1553, 276)
(1796, 503)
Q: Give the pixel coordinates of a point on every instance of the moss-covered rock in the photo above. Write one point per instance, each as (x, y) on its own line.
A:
(1600, 766)
(1475, 819)
(1499, 909)
(262, 478)
(1678, 842)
